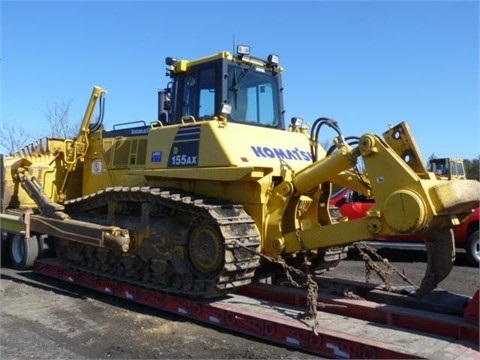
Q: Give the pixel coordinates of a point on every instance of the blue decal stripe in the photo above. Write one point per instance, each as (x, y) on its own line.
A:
(187, 137)
(189, 129)
(188, 133)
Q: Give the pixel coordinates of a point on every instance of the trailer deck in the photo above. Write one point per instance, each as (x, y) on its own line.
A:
(346, 328)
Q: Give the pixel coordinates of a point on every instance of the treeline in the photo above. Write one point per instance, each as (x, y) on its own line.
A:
(472, 168)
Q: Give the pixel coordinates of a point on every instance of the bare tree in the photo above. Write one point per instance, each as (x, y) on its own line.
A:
(13, 138)
(58, 117)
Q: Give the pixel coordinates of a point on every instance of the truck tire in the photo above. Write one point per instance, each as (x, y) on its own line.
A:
(23, 251)
(473, 248)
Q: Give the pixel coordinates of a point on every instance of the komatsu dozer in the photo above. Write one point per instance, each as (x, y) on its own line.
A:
(197, 201)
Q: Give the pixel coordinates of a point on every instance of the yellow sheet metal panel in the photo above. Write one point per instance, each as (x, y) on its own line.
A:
(210, 144)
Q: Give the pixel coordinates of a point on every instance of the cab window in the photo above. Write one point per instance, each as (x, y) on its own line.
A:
(198, 97)
(252, 97)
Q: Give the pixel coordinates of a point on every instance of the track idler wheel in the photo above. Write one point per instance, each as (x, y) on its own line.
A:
(440, 246)
(206, 249)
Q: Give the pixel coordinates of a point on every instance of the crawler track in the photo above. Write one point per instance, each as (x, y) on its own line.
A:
(180, 243)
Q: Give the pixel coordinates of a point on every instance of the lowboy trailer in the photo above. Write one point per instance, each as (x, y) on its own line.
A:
(374, 323)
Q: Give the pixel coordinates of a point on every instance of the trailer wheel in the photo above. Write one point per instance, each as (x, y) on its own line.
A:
(473, 248)
(23, 251)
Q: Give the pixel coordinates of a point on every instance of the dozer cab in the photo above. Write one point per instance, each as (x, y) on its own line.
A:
(198, 201)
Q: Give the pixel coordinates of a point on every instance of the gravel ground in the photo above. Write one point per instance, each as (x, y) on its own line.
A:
(42, 318)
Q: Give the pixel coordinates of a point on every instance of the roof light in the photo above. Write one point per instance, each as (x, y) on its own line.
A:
(226, 109)
(296, 122)
(243, 50)
(273, 59)
(170, 61)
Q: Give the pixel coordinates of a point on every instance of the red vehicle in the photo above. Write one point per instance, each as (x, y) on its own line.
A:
(355, 205)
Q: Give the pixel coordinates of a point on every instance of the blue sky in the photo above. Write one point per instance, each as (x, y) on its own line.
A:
(366, 64)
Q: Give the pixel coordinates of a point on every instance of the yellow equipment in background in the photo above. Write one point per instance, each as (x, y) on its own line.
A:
(448, 168)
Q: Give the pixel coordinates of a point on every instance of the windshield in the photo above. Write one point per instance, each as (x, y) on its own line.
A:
(253, 95)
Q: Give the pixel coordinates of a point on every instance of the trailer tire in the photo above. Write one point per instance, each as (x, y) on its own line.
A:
(473, 248)
(23, 251)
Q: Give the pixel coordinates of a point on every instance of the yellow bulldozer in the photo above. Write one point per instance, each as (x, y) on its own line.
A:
(198, 201)
(448, 168)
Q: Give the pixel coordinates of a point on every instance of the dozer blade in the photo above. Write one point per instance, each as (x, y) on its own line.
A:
(440, 246)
